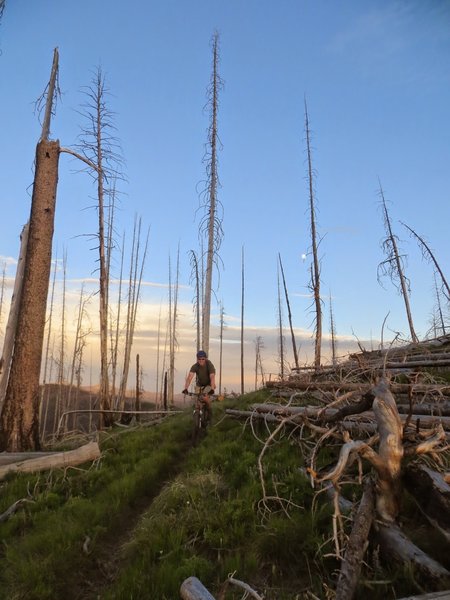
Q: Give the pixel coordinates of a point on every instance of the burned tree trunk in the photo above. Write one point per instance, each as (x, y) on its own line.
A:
(20, 414)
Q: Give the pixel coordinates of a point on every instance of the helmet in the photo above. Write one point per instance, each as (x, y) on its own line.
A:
(201, 354)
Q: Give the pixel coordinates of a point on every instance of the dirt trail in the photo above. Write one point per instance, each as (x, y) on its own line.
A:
(108, 554)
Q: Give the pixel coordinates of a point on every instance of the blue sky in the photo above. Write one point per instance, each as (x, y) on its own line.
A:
(376, 77)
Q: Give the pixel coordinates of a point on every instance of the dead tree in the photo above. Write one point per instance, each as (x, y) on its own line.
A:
(173, 329)
(242, 321)
(333, 336)
(136, 273)
(10, 332)
(259, 344)
(100, 150)
(197, 303)
(294, 344)
(280, 328)
(211, 223)
(393, 265)
(315, 267)
(428, 254)
(222, 326)
(20, 411)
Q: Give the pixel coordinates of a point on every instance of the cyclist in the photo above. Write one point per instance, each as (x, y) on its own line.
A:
(205, 383)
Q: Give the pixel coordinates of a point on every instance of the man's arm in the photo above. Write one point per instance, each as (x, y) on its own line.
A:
(212, 379)
(188, 380)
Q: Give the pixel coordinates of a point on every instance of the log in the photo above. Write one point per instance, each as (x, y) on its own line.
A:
(432, 493)
(433, 596)
(193, 589)
(394, 544)
(396, 388)
(356, 547)
(57, 460)
(311, 412)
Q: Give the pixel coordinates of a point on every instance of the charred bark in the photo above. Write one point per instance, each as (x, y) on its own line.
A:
(20, 414)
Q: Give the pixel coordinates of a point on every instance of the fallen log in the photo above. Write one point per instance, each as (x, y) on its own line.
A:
(432, 493)
(394, 544)
(356, 547)
(433, 596)
(193, 589)
(57, 460)
(396, 388)
(311, 412)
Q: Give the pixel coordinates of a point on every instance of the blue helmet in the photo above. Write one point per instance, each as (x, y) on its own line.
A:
(201, 354)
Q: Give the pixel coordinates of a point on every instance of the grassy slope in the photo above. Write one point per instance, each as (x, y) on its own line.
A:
(154, 511)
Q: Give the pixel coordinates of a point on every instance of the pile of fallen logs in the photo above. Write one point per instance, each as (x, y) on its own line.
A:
(398, 434)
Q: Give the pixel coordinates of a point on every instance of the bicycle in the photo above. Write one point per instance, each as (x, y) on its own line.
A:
(200, 415)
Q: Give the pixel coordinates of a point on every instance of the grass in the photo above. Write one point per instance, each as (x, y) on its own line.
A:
(154, 511)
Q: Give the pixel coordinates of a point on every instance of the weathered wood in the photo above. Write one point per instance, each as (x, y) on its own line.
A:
(356, 547)
(433, 596)
(193, 589)
(311, 412)
(57, 460)
(394, 544)
(396, 388)
(433, 495)
(7, 458)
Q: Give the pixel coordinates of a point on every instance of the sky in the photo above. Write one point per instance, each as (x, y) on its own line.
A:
(375, 76)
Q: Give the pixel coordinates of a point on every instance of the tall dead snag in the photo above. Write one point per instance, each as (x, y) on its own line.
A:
(333, 336)
(195, 276)
(20, 412)
(393, 265)
(173, 318)
(315, 267)
(100, 150)
(8, 343)
(222, 326)
(428, 254)
(294, 344)
(242, 323)
(211, 223)
(136, 272)
(280, 328)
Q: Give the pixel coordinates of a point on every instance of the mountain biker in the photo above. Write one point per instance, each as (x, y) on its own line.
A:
(205, 382)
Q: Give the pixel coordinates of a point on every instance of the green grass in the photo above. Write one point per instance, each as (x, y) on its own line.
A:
(156, 511)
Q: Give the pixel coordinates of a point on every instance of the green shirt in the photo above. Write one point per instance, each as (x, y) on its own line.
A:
(203, 372)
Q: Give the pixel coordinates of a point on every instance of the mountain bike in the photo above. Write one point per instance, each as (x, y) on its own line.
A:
(200, 416)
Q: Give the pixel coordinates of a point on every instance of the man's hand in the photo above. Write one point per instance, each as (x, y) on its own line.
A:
(185, 391)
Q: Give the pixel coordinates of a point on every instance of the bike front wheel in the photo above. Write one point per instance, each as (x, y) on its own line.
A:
(196, 424)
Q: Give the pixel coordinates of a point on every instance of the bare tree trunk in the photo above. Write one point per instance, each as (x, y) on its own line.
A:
(136, 273)
(20, 413)
(242, 324)
(333, 336)
(315, 269)
(280, 328)
(222, 312)
(8, 344)
(173, 333)
(393, 265)
(45, 391)
(294, 345)
(198, 297)
(138, 388)
(115, 341)
(61, 404)
(211, 223)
